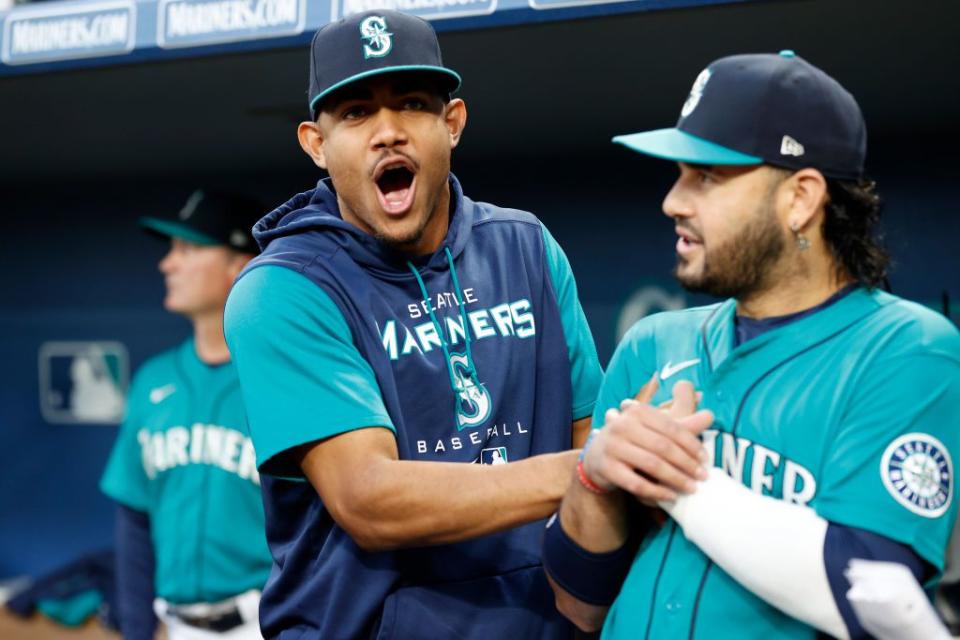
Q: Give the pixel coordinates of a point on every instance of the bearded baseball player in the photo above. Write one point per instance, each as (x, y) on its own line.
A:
(189, 536)
(415, 365)
(827, 416)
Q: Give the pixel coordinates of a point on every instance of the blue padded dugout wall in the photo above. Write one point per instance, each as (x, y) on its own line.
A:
(79, 269)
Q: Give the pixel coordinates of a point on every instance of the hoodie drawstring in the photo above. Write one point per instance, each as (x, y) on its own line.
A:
(458, 292)
(444, 345)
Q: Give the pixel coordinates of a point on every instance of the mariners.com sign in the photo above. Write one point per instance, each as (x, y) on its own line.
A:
(428, 9)
(61, 31)
(92, 29)
(86, 30)
(187, 23)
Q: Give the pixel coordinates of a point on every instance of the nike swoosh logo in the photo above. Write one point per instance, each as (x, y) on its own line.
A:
(670, 369)
(160, 394)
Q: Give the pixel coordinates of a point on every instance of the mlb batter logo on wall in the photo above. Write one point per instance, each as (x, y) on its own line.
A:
(379, 40)
(83, 382)
(917, 471)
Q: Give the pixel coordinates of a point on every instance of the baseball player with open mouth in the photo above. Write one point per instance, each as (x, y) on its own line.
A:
(415, 364)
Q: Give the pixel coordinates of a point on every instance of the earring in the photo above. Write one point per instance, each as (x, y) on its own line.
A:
(803, 243)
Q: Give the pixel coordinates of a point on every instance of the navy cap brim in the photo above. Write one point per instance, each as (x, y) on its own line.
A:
(680, 146)
(173, 229)
(448, 74)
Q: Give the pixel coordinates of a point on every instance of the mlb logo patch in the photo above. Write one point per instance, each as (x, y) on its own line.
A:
(496, 455)
(83, 382)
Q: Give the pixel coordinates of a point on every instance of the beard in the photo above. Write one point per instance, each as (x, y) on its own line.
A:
(742, 265)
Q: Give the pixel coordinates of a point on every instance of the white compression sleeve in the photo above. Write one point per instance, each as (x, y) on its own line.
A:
(771, 547)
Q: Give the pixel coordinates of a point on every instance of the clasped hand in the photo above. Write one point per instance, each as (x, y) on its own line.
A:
(651, 452)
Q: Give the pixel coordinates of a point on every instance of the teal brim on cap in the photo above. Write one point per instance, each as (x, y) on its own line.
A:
(173, 229)
(449, 73)
(679, 146)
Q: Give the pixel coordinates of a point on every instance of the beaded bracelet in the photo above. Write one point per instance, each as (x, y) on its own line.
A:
(589, 484)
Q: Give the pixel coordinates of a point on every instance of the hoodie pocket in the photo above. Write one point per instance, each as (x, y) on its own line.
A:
(518, 604)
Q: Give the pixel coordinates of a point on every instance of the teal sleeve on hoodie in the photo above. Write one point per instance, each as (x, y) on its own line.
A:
(303, 379)
(585, 372)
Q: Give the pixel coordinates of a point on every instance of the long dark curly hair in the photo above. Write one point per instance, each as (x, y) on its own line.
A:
(851, 229)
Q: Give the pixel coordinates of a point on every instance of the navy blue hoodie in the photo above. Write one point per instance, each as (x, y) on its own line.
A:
(478, 353)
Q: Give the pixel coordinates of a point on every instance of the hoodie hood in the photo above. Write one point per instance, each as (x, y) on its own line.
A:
(318, 210)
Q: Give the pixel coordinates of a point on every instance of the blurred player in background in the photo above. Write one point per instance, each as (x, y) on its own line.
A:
(393, 332)
(190, 527)
(832, 406)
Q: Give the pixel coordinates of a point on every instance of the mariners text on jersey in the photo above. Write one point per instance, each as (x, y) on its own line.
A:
(503, 320)
(200, 444)
(764, 470)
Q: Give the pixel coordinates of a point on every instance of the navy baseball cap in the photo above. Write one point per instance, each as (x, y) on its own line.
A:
(775, 109)
(373, 43)
(211, 218)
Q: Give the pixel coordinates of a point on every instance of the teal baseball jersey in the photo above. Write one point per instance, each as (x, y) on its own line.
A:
(851, 411)
(184, 457)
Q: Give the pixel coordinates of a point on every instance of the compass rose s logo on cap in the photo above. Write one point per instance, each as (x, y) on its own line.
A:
(379, 41)
(696, 92)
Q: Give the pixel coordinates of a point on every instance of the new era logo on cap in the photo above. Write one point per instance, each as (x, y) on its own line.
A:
(790, 147)
(238, 238)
